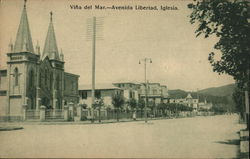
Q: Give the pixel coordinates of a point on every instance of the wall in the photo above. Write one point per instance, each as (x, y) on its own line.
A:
(15, 106)
(70, 88)
(3, 100)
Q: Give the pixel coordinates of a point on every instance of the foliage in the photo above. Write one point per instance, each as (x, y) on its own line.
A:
(238, 97)
(98, 103)
(174, 107)
(84, 106)
(151, 105)
(141, 104)
(219, 108)
(132, 103)
(228, 20)
(117, 100)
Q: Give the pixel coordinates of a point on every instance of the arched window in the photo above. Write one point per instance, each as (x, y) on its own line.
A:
(31, 77)
(40, 79)
(51, 80)
(16, 74)
(45, 78)
(57, 83)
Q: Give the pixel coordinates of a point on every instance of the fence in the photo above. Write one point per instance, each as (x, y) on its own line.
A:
(54, 114)
(32, 114)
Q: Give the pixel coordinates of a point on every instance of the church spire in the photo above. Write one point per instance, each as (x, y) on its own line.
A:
(50, 47)
(23, 37)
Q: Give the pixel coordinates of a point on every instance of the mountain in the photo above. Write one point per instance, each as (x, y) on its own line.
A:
(226, 90)
(214, 94)
(177, 93)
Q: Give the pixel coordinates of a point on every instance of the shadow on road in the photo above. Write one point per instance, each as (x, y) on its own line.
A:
(230, 142)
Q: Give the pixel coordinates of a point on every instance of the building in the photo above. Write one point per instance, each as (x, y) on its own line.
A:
(130, 90)
(104, 91)
(205, 106)
(32, 79)
(156, 93)
(188, 101)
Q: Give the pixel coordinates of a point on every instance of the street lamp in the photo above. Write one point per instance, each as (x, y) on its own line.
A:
(145, 60)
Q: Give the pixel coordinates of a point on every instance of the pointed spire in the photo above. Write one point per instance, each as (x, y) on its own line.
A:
(61, 55)
(50, 47)
(11, 49)
(23, 37)
(37, 48)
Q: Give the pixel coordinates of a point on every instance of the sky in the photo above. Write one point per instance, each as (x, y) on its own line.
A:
(179, 59)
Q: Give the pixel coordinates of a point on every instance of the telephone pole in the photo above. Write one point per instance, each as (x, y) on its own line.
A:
(145, 60)
(93, 29)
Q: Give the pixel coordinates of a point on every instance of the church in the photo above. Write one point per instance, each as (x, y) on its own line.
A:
(33, 78)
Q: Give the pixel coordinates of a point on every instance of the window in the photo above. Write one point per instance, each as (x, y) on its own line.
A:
(98, 94)
(31, 77)
(84, 94)
(154, 91)
(16, 74)
(51, 80)
(57, 83)
(72, 85)
(40, 79)
(46, 78)
(130, 94)
(64, 84)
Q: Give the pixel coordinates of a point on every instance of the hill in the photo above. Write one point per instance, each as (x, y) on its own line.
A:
(226, 90)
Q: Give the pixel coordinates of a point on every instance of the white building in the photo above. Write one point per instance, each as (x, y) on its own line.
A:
(104, 91)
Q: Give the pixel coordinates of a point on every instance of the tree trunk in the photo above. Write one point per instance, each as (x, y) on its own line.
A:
(99, 114)
(117, 114)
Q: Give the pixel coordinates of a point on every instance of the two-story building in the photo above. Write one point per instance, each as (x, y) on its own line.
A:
(104, 91)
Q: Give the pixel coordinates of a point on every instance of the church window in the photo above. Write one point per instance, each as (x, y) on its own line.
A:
(40, 79)
(64, 84)
(16, 76)
(57, 83)
(31, 77)
(45, 78)
(51, 80)
(72, 85)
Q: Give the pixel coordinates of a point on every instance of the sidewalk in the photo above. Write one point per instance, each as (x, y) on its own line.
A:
(6, 124)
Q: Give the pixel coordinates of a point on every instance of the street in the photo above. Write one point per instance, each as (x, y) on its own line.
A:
(197, 137)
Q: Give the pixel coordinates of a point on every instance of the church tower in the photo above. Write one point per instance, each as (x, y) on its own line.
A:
(22, 64)
(51, 55)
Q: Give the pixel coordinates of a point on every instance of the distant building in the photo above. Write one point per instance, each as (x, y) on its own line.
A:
(130, 90)
(31, 79)
(156, 93)
(188, 101)
(104, 91)
(205, 106)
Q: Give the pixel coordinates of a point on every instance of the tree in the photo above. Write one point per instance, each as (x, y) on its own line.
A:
(97, 105)
(238, 97)
(141, 105)
(132, 103)
(228, 20)
(117, 101)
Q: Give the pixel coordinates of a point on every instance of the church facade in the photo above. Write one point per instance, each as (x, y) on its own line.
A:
(33, 78)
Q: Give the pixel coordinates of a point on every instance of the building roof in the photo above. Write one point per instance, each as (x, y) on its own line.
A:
(50, 46)
(189, 96)
(23, 38)
(98, 87)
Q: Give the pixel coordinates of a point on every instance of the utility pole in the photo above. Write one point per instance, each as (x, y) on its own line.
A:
(94, 25)
(145, 60)
(93, 69)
